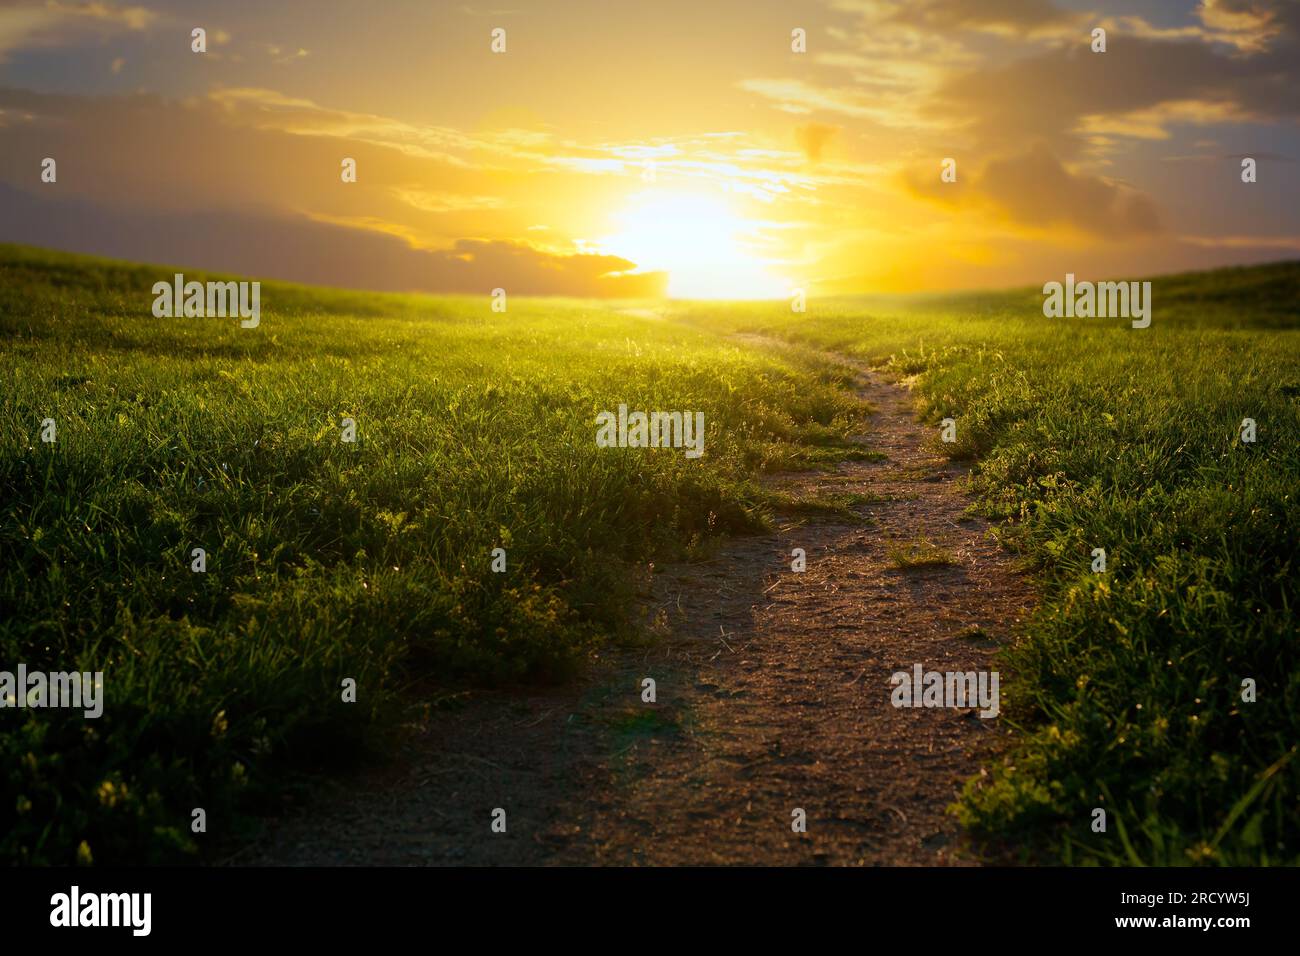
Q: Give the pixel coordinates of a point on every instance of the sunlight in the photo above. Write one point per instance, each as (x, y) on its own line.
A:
(700, 241)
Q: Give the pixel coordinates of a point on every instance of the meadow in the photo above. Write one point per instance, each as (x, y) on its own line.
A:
(1128, 684)
(371, 560)
(328, 560)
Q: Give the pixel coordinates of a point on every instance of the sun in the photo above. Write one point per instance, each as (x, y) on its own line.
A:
(707, 249)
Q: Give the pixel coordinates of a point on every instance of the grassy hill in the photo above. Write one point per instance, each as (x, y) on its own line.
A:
(329, 560)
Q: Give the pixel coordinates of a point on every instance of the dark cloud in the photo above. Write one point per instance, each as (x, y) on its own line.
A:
(1035, 189)
(300, 250)
(1048, 95)
(1028, 118)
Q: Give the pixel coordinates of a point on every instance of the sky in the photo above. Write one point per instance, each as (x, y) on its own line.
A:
(630, 149)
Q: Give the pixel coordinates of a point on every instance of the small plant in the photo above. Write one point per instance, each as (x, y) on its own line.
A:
(919, 553)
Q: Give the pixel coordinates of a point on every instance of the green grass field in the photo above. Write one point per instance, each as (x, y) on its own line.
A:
(329, 560)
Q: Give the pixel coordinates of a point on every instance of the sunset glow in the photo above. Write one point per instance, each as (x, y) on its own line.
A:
(707, 249)
(686, 149)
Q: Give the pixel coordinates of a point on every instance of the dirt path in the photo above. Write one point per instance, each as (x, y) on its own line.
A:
(772, 694)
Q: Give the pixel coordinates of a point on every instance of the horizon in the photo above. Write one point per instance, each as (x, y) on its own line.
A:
(169, 270)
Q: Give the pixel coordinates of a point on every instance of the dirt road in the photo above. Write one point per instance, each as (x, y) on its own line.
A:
(773, 695)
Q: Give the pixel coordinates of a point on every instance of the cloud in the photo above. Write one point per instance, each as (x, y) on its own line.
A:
(28, 24)
(281, 55)
(1016, 17)
(297, 249)
(1214, 159)
(130, 17)
(1060, 150)
(1051, 94)
(432, 200)
(813, 138)
(270, 110)
(802, 97)
(1246, 24)
(997, 75)
(1035, 191)
(1155, 122)
(161, 170)
(1276, 244)
(1011, 88)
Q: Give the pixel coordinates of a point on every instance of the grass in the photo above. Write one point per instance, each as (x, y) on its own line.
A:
(919, 553)
(843, 505)
(1087, 433)
(328, 560)
(371, 560)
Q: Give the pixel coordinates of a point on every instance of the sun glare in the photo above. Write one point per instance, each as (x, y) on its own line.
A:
(700, 241)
